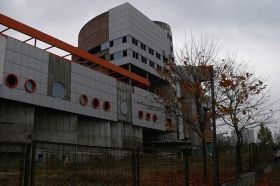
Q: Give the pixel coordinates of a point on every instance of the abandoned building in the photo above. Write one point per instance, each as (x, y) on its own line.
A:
(105, 95)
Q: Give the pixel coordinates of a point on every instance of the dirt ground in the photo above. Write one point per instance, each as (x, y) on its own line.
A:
(270, 179)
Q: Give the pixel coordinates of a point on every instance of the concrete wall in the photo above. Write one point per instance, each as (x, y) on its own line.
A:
(16, 121)
(55, 126)
(93, 132)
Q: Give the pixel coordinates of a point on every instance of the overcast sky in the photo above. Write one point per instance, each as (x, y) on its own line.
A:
(250, 27)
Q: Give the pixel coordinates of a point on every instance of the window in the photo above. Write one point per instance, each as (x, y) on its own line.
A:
(11, 81)
(144, 60)
(124, 39)
(155, 118)
(158, 68)
(140, 114)
(143, 46)
(58, 90)
(134, 41)
(148, 116)
(158, 55)
(106, 106)
(30, 85)
(124, 53)
(151, 51)
(95, 103)
(111, 43)
(83, 100)
(135, 55)
(111, 57)
(152, 64)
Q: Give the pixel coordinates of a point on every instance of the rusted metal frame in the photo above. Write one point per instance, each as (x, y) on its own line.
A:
(4, 30)
(66, 55)
(18, 26)
(48, 48)
(28, 39)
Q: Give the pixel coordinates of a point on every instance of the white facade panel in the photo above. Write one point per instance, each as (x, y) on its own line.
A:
(126, 20)
(3, 45)
(147, 103)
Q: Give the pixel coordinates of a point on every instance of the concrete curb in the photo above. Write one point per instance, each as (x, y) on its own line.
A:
(249, 178)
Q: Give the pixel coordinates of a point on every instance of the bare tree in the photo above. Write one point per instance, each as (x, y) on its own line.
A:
(190, 72)
(242, 101)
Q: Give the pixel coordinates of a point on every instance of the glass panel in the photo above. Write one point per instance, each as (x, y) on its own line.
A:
(58, 90)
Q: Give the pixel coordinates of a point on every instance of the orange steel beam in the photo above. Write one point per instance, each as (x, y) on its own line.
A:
(18, 26)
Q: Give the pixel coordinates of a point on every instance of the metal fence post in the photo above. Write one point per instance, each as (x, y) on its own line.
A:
(33, 163)
(186, 171)
(137, 166)
(134, 168)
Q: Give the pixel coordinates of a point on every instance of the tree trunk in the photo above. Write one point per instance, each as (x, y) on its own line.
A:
(238, 156)
(204, 160)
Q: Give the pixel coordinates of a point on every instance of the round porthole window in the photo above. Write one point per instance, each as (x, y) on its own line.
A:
(123, 107)
(11, 80)
(148, 116)
(95, 103)
(106, 105)
(155, 118)
(58, 90)
(30, 85)
(83, 100)
(140, 114)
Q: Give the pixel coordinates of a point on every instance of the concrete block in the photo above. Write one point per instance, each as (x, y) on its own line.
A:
(44, 67)
(30, 74)
(29, 98)
(6, 92)
(44, 78)
(31, 63)
(267, 169)
(14, 94)
(38, 76)
(17, 58)
(38, 65)
(22, 95)
(11, 43)
(36, 98)
(24, 60)
(23, 71)
(8, 67)
(26, 49)
(45, 57)
(32, 53)
(10, 55)
(18, 46)
(248, 178)
(16, 69)
(38, 54)
(43, 100)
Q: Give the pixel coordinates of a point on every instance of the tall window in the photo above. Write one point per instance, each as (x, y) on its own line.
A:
(151, 51)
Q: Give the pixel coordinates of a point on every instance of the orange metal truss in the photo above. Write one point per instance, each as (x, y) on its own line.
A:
(54, 42)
